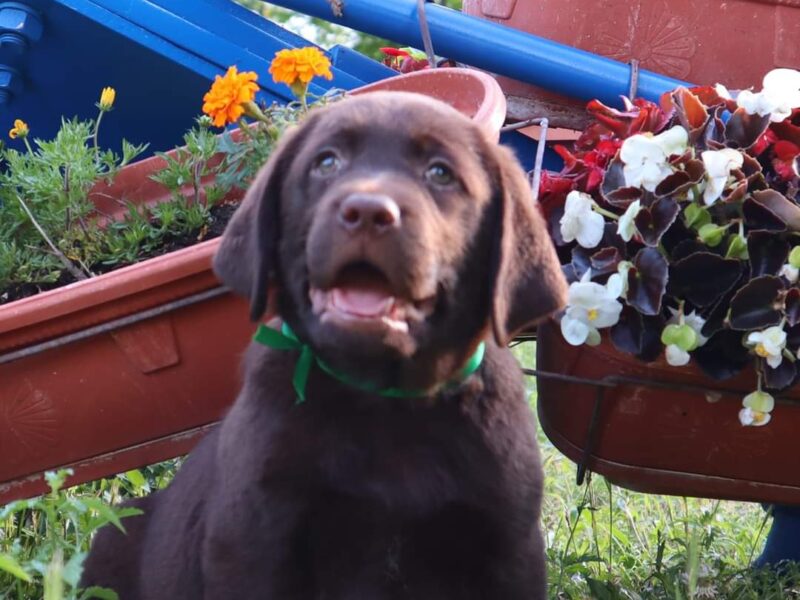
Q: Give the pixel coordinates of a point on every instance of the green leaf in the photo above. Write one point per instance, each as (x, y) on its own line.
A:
(10, 565)
(136, 478)
(602, 590)
(737, 248)
(696, 216)
(56, 479)
(794, 257)
(106, 512)
(711, 234)
(98, 592)
(74, 568)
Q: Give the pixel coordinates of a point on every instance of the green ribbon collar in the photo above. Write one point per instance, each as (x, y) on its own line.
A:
(285, 339)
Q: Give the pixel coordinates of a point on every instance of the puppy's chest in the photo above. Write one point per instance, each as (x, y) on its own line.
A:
(408, 462)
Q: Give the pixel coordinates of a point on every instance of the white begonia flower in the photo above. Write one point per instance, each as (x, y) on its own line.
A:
(580, 222)
(677, 356)
(779, 96)
(626, 227)
(789, 272)
(622, 271)
(590, 307)
(646, 156)
(757, 408)
(719, 164)
(723, 92)
(769, 344)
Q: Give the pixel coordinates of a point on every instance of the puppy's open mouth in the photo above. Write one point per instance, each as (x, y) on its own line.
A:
(362, 295)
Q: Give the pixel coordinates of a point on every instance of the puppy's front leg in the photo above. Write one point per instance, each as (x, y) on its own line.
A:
(253, 547)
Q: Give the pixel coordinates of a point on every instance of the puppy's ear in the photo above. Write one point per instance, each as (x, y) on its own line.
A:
(247, 258)
(528, 282)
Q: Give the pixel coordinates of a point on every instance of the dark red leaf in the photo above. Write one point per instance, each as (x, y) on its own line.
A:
(743, 130)
(723, 356)
(786, 210)
(781, 377)
(647, 281)
(703, 277)
(680, 181)
(792, 309)
(606, 260)
(759, 217)
(653, 221)
(767, 252)
(614, 189)
(638, 335)
(691, 113)
(755, 305)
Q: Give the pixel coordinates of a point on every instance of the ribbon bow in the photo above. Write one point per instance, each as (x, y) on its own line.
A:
(285, 339)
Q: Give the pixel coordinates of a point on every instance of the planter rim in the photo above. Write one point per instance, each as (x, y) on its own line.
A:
(74, 297)
(491, 112)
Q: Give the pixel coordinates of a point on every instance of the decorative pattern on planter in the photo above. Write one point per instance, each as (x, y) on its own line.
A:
(661, 40)
(20, 26)
(32, 420)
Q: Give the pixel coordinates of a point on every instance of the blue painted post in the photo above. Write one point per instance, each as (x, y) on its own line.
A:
(495, 48)
(20, 26)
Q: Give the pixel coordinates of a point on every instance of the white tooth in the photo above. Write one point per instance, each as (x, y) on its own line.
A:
(400, 326)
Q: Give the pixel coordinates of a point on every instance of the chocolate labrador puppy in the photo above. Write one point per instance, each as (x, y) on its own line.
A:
(383, 448)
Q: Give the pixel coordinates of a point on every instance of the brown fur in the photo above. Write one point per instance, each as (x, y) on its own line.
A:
(352, 495)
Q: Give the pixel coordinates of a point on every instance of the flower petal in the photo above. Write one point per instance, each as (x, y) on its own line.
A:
(574, 331)
(676, 356)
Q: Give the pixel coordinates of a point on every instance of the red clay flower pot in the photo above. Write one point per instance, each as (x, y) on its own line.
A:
(657, 432)
(705, 41)
(132, 367)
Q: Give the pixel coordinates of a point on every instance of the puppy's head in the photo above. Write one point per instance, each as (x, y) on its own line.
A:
(392, 236)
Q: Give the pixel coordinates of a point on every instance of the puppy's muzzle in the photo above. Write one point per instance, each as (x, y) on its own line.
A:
(370, 214)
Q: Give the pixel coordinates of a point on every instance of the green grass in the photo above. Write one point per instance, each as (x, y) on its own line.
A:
(602, 541)
(606, 542)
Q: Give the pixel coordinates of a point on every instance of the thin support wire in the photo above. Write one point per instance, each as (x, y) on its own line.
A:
(425, 32)
(633, 89)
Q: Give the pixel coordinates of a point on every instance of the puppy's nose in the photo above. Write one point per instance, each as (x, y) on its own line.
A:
(374, 213)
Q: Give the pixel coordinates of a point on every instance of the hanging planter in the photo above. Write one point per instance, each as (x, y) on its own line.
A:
(690, 41)
(678, 225)
(661, 429)
(134, 366)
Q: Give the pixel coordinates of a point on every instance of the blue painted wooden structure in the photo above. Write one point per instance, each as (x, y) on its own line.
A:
(496, 48)
(160, 55)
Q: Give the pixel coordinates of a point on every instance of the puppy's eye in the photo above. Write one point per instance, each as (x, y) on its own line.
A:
(440, 174)
(327, 163)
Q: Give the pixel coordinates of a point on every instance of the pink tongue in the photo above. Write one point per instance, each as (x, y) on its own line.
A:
(362, 302)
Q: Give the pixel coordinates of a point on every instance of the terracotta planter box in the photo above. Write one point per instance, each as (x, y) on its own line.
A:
(660, 433)
(133, 367)
(704, 42)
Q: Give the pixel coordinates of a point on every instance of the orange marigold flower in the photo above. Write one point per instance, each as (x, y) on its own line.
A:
(20, 129)
(225, 101)
(299, 65)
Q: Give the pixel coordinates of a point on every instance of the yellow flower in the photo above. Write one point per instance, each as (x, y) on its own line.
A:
(225, 101)
(299, 65)
(107, 98)
(20, 130)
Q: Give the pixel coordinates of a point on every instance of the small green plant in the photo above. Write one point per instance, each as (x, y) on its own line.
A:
(44, 541)
(52, 233)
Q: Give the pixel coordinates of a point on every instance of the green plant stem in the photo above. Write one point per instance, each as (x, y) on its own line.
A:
(572, 529)
(606, 213)
(95, 136)
(77, 273)
(27, 145)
